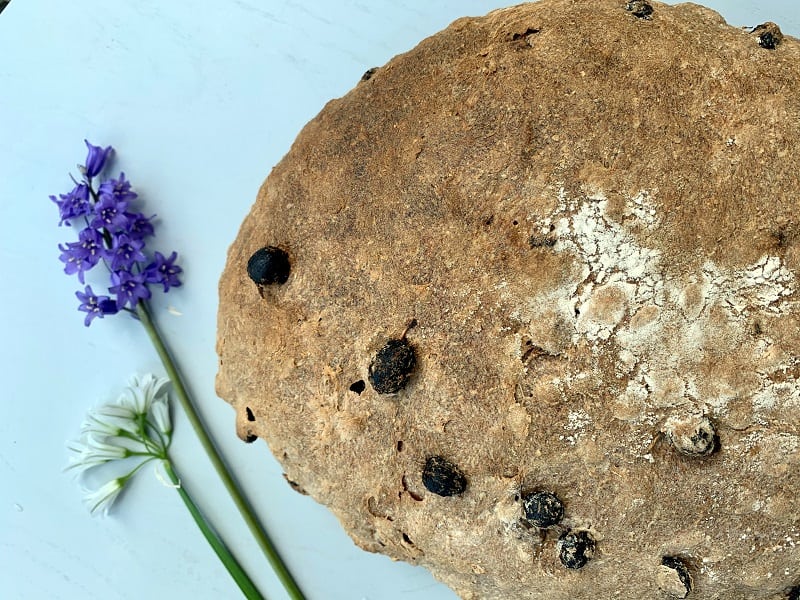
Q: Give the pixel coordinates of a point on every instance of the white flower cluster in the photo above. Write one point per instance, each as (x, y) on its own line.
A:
(136, 426)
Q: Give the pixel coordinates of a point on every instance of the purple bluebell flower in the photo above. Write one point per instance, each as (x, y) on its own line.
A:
(164, 271)
(129, 288)
(95, 160)
(125, 251)
(109, 214)
(139, 226)
(119, 189)
(74, 204)
(115, 235)
(78, 257)
(95, 306)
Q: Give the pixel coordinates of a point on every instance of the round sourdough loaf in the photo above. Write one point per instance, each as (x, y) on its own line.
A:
(522, 307)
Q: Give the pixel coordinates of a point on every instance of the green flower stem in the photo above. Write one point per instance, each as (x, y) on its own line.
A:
(244, 507)
(239, 575)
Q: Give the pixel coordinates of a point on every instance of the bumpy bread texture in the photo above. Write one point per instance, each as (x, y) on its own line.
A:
(594, 219)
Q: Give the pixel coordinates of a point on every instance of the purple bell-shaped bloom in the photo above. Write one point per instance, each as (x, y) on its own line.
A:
(95, 160)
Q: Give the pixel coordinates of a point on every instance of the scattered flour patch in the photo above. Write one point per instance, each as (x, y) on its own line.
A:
(610, 252)
(640, 206)
(760, 286)
(666, 326)
(603, 309)
(577, 421)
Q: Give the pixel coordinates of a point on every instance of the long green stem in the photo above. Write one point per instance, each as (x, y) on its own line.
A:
(236, 494)
(239, 575)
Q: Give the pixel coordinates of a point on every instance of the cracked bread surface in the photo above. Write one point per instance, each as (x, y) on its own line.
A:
(584, 222)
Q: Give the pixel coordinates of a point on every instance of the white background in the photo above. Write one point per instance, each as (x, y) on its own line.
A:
(200, 99)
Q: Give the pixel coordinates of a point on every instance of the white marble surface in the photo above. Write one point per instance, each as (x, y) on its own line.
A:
(200, 99)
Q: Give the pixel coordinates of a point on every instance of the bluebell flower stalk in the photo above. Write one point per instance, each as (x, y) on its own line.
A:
(114, 234)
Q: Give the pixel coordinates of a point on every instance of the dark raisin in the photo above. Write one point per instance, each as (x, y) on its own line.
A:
(269, 265)
(575, 548)
(442, 477)
(639, 8)
(794, 593)
(358, 387)
(250, 416)
(250, 438)
(542, 509)
(769, 35)
(392, 366)
(674, 562)
(368, 74)
(768, 41)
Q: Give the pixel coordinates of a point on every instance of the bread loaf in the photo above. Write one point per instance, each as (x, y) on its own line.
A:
(540, 324)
